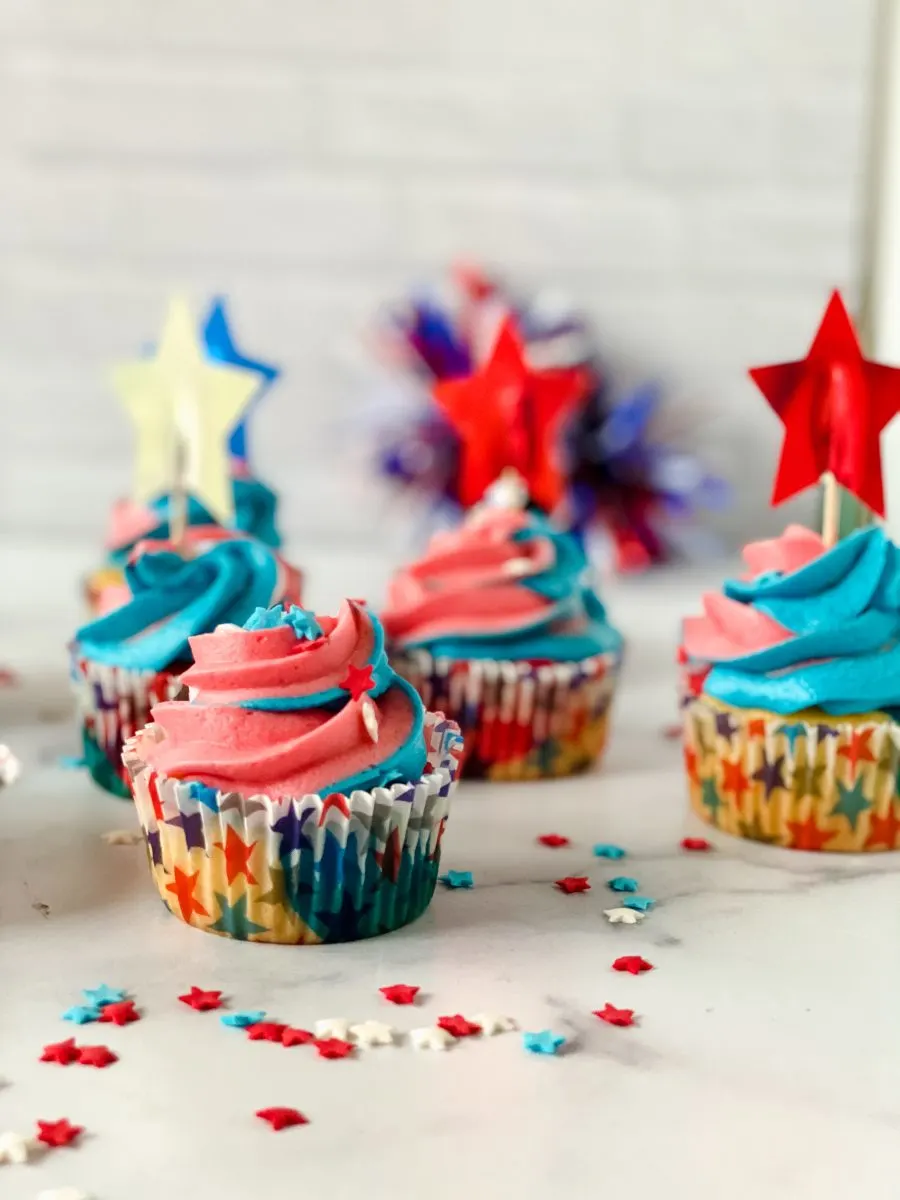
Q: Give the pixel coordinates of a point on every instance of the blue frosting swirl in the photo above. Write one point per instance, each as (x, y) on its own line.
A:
(844, 610)
(175, 598)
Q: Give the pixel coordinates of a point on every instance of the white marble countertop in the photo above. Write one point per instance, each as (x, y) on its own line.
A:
(765, 1063)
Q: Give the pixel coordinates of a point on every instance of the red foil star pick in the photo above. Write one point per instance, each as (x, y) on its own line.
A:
(458, 1026)
(200, 1000)
(58, 1133)
(615, 1016)
(60, 1052)
(122, 1013)
(508, 415)
(833, 404)
(333, 1047)
(573, 883)
(96, 1056)
(282, 1118)
(358, 680)
(633, 964)
(553, 840)
(400, 993)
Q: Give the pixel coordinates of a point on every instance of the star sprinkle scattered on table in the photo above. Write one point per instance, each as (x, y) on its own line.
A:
(641, 904)
(333, 1047)
(122, 837)
(615, 1016)
(297, 1037)
(545, 1042)
(623, 916)
(633, 964)
(96, 1056)
(241, 1020)
(607, 850)
(553, 840)
(121, 1013)
(282, 1118)
(695, 843)
(457, 879)
(494, 1023)
(572, 884)
(62, 1053)
(102, 995)
(458, 1026)
(58, 1133)
(82, 1014)
(333, 1027)
(200, 1000)
(372, 1033)
(15, 1149)
(431, 1037)
(623, 883)
(400, 993)
(266, 1031)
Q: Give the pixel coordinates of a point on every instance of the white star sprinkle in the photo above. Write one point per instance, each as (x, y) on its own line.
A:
(122, 837)
(333, 1027)
(64, 1193)
(372, 1033)
(370, 718)
(431, 1037)
(10, 767)
(492, 1023)
(623, 916)
(14, 1148)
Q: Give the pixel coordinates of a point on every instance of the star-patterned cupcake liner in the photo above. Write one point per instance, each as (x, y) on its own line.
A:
(519, 720)
(809, 782)
(113, 704)
(298, 870)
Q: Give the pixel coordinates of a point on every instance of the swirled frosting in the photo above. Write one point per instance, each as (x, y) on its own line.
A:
(808, 628)
(506, 585)
(293, 704)
(174, 598)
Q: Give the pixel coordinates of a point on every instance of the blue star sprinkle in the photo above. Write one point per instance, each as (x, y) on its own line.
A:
(303, 622)
(100, 996)
(458, 879)
(605, 850)
(545, 1042)
(623, 883)
(242, 1020)
(82, 1014)
(639, 903)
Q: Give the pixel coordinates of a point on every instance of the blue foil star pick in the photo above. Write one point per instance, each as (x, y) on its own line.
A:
(458, 879)
(242, 1020)
(220, 347)
(639, 903)
(623, 883)
(82, 1014)
(100, 996)
(605, 850)
(545, 1042)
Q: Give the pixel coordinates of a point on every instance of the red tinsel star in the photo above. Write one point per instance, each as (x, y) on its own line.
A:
(282, 1118)
(297, 1037)
(200, 1000)
(633, 964)
(358, 680)
(458, 1026)
(553, 840)
(695, 843)
(122, 1013)
(400, 993)
(58, 1133)
(333, 1047)
(60, 1052)
(615, 1016)
(573, 883)
(96, 1056)
(833, 404)
(508, 415)
(266, 1031)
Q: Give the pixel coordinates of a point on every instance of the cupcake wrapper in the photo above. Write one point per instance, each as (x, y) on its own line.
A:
(813, 782)
(519, 721)
(114, 704)
(298, 870)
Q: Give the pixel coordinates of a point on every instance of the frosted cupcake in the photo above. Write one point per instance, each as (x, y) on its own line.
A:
(792, 738)
(133, 657)
(300, 795)
(497, 627)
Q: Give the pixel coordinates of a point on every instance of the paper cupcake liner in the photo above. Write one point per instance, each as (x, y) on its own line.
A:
(810, 782)
(113, 704)
(519, 721)
(299, 870)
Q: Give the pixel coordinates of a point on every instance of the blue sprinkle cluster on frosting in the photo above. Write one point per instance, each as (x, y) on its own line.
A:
(301, 620)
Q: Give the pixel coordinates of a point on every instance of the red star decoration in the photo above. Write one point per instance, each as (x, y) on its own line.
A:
(884, 831)
(633, 964)
(458, 1026)
(282, 1118)
(297, 1037)
(553, 840)
(333, 1047)
(183, 888)
(96, 1056)
(200, 1000)
(690, 764)
(833, 404)
(806, 835)
(237, 856)
(508, 415)
(694, 843)
(58, 1133)
(859, 749)
(358, 680)
(60, 1052)
(573, 883)
(122, 1013)
(400, 993)
(266, 1031)
(615, 1016)
(733, 778)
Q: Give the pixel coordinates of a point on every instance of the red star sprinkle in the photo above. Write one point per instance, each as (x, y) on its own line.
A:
(333, 1047)
(458, 1026)
(122, 1013)
(60, 1052)
(96, 1056)
(358, 681)
(573, 883)
(297, 1037)
(58, 1133)
(693, 843)
(615, 1016)
(400, 993)
(200, 1000)
(282, 1118)
(266, 1031)
(633, 964)
(553, 840)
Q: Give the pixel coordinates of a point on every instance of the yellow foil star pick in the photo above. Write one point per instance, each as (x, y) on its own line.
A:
(183, 408)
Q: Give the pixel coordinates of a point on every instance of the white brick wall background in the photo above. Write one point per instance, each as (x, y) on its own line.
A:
(692, 170)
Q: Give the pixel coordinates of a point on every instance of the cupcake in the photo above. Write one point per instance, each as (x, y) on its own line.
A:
(496, 626)
(792, 735)
(300, 794)
(133, 657)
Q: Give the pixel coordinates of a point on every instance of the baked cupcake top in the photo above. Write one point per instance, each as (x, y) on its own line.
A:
(174, 597)
(505, 585)
(292, 704)
(806, 628)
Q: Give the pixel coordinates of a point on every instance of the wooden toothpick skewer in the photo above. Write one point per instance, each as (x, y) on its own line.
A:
(831, 510)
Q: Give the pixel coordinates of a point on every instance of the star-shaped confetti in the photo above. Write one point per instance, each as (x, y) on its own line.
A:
(266, 1031)
(553, 840)
(333, 1027)
(333, 1047)
(122, 837)
(15, 1149)
(458, 1026)
(615, 1016)
(544, 1042)
(282, 1118)
(623, 916)
(243, 1019)
(82, 1014)
(201, 1000)
(358, 681)
(571, 884)
(99, 996)
(400, 993)
(633, 964)
(431, 1037)
(372, 1033)
(96, 1056)
(58, 1133)
(695, 843)
(622, 883)
(494, 1023)
(123, 1013)
(606, 850)
(297, 1037)
(457, 879)
(640, 904)
(62, 1053)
